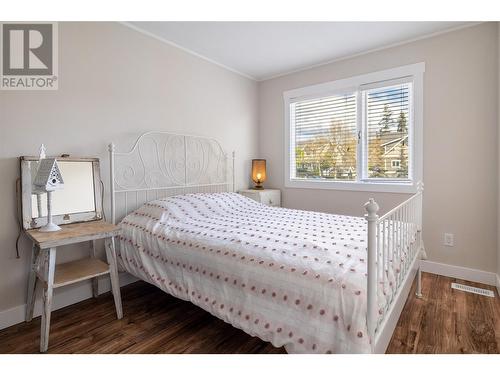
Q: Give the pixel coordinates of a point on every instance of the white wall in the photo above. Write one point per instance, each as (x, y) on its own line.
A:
(460, 140)
(114, 83)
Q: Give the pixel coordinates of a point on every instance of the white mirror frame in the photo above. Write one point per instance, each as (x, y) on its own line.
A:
(30, 222)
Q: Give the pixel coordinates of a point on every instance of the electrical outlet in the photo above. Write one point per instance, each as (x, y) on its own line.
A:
(449, 239)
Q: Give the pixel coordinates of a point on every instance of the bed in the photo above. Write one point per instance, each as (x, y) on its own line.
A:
(311, 282)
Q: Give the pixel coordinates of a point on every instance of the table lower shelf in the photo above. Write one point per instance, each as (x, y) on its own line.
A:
(79, 270)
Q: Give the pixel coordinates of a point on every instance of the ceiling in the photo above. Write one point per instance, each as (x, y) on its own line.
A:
(262, 50)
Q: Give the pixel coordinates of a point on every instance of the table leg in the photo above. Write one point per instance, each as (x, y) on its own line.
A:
(95, 280)
(115, 286)
(32, 282)
(47, 298)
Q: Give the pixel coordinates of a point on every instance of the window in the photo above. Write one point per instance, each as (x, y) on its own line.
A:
(325, 137)
(361, 133)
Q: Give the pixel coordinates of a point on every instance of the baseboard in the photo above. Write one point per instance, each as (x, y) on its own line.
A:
(498, 285)
(469, 274)
(62, 297)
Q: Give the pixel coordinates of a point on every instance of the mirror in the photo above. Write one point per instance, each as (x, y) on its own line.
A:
(79, 183)
(79, 200)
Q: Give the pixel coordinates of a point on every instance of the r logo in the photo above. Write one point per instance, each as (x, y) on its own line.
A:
(27, 49)
(28, 58)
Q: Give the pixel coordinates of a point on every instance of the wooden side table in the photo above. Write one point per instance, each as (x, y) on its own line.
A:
(43, 266)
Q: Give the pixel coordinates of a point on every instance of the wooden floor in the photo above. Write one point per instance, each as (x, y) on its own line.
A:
(444, 321)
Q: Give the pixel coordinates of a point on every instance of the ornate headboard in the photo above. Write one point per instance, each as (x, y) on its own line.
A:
(162, 164)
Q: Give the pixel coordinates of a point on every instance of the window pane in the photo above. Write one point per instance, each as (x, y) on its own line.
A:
(387, 116)
(325, 138)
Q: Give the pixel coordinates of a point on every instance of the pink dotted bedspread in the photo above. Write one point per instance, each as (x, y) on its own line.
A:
(294, 278)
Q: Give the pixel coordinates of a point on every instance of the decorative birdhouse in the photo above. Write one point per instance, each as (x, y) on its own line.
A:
(48, 177)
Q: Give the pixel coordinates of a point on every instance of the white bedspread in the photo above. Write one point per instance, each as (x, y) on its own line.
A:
(293, 278)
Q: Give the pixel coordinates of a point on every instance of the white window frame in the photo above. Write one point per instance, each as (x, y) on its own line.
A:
(413, 73)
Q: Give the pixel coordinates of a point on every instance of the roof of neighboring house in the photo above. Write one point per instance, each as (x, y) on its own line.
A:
(388, 137)
(396, 142)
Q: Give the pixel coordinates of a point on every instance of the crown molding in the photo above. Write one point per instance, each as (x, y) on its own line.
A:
(298, 70)
(170, 43)
(358, 54)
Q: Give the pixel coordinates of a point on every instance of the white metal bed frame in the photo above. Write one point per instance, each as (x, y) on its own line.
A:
(167, 164)
(180, 172)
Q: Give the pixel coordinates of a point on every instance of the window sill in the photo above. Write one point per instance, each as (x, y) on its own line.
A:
(380, 187)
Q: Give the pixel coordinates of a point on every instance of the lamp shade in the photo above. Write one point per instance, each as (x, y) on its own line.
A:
(258, 172)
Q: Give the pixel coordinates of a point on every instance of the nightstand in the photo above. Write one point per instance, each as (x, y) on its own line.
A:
(270, 197)
(44, 269)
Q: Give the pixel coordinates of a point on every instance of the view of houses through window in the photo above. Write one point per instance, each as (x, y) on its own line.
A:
(328, 132)
(387, 113)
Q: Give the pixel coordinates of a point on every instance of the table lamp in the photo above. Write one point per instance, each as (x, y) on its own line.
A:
(258, 172)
